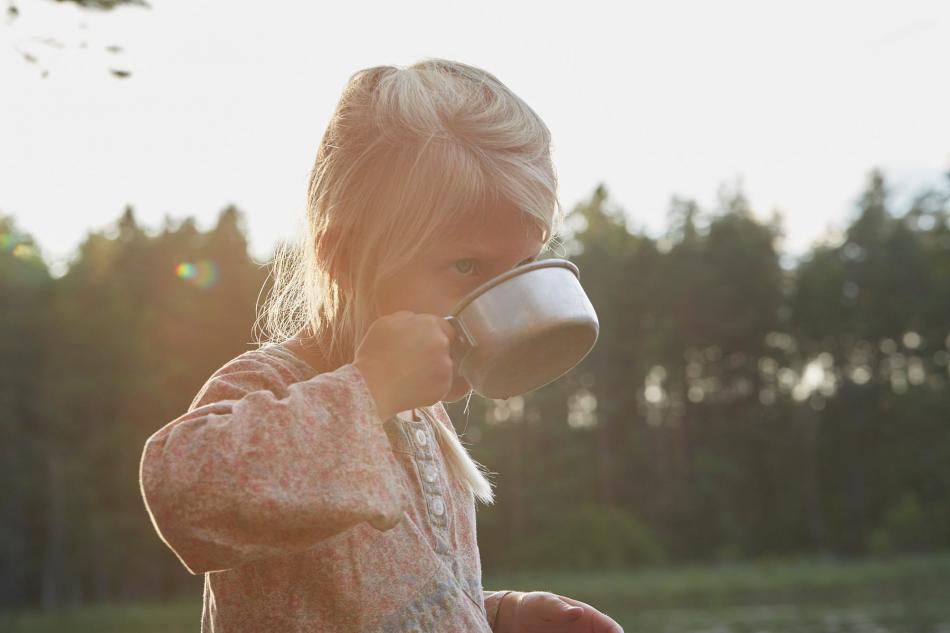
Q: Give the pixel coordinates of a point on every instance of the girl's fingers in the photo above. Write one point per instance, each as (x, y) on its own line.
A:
(547, 607)
(599, 622)
(542, 606)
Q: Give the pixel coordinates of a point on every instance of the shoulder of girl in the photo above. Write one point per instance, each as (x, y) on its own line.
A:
(249, 371)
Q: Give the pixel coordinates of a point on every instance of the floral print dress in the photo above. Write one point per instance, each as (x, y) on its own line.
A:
(307, 512)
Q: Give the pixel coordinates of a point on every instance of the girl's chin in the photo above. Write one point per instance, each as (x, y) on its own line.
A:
(460, 389)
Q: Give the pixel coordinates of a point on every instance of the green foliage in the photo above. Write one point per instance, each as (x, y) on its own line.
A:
(25, 290)
(590, 538)
(94, 363)
(732, 409)
(905, 528)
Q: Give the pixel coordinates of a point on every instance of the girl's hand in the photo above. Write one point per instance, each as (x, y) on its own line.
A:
(404, 358)
(544, 612)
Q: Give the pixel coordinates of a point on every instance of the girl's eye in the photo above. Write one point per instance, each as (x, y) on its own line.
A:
(465, 266)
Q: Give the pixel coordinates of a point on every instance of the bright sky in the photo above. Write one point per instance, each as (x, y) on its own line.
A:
(228, 100)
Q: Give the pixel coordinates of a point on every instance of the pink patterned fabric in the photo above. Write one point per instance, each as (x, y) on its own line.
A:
(307, 512)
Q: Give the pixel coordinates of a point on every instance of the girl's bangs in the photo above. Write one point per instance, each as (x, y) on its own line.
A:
(444, 189)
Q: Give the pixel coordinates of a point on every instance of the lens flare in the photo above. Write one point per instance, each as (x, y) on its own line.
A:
(8, 242)
(15, 245)
(23, 251)
(203, 273)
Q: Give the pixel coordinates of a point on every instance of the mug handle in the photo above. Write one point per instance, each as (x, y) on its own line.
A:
(463, 342)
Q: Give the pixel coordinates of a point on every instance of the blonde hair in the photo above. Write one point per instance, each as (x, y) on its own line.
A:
(408, 153)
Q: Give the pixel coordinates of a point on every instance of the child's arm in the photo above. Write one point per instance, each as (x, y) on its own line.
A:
(247, 475)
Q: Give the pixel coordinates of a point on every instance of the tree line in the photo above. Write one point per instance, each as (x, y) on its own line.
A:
(739, 404)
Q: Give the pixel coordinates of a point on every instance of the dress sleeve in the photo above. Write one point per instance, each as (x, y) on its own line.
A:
(257, 468)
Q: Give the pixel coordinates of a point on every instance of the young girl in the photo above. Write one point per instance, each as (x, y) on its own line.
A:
(318, 482)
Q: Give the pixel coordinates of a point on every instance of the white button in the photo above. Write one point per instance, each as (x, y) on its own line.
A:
(437, 506)
(421, 437)
(430, 474)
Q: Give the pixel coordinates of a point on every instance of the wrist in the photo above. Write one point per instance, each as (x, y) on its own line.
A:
(375, 386)
(507, 610)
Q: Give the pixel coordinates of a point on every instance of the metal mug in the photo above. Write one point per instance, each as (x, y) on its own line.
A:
(523, 329)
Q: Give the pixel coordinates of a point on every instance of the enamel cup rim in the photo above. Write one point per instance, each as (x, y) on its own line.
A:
(514, 272)
(551, 327)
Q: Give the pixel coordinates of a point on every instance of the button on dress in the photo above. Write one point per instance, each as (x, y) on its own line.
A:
(307, 512)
